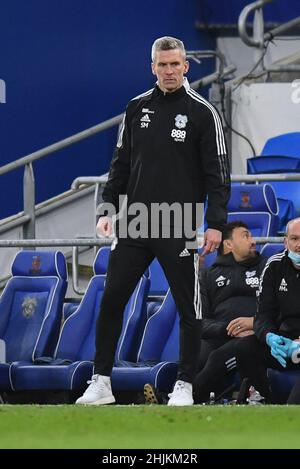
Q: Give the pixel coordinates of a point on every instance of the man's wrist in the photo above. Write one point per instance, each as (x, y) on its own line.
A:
(215, 226)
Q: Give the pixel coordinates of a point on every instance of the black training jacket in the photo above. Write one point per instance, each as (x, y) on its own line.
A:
(279, 299)
(228, 291)
(171, 148)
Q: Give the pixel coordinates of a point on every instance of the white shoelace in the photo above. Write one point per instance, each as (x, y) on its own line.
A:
(96, 384)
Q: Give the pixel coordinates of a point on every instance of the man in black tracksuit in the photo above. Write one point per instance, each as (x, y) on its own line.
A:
(171, 149)
(228, 291)
(277, 323)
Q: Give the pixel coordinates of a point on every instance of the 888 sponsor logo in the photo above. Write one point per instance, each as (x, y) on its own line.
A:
(253, 281)
(178, 135)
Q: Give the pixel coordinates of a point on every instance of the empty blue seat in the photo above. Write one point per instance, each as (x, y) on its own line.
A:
(288, 190)
(72, 362)
(281, 154)
(158, 287)
(31, 308)
(253, 198)
(273, 164)
(158, 354)
(256, 205)
(102, 259)
(269, 249)
(285, 144)
(286, 213)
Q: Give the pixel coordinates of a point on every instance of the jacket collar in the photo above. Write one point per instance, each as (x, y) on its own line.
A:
(175, 94)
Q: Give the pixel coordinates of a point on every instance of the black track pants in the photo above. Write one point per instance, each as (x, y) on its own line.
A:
(221, 364)
(128, 261)
(253, 360)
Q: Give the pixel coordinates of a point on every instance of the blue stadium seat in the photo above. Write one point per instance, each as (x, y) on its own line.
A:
(269, 249)
(284, 190)
(69, 308)
(158, 282)
(72, 362)
(288, 190)
(256, 205)
(286, 213)
(209, 259)
(253, 198)
(102, 259)
(273, 164)
(285, 144)
(157, 356)
(31, 308)
(259, 223)
(158, 287)
(281, 154)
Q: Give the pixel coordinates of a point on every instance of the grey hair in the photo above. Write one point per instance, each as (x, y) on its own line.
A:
(290, 223)
(167, 43)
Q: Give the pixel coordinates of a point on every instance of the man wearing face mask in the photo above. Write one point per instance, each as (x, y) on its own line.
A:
(277, 322)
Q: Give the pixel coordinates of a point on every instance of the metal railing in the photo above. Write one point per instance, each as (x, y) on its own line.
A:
(61, 144)
(197, 55)
(265, 177)
(28, 180)
(91, 180)
(76, 243)
(43, 208)
(260, 38)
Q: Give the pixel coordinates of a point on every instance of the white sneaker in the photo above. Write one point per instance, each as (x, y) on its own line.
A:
(98, 392)
(182, 394)
(255, 398)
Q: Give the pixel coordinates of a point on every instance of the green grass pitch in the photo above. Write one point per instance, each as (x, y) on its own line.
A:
(109, 427)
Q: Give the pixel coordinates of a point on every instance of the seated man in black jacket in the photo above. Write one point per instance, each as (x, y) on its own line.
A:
(228, 293)
(277, 322)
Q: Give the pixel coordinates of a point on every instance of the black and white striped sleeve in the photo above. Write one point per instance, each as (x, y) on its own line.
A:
(215, 165)
(266, 319)
(120, 167)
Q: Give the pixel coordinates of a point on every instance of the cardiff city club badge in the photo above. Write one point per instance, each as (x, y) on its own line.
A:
(180, 121)
(29, 306)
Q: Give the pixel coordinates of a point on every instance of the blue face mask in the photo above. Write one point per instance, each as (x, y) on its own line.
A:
(295, 257)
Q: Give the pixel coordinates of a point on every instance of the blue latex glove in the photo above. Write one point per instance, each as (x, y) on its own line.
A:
(278, 346)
